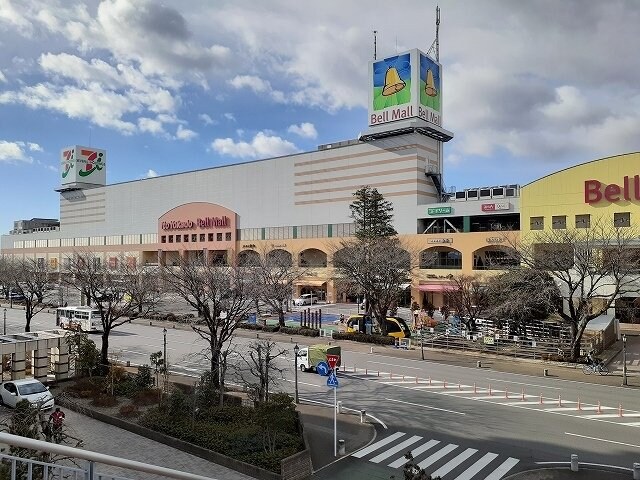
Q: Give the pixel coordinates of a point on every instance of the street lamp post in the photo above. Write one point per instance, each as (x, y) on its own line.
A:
(296, 349)
(422, 341)
(624, 360)
(166, 364)
(5, 322)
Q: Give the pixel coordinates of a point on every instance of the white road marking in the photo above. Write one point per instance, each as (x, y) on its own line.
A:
(501, 471)
(424, 406)
(305, 383)
(415, 452)
(602, 440)
(377, 445)
(469, 473)
(433, 458)
(392, 451)
(453, 463)
(522, 383)
(394, 365)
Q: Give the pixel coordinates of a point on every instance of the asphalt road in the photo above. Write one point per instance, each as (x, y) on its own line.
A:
(460, 419)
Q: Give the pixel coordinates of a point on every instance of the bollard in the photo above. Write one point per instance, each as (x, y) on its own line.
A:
(479, 364)
(344, 368)
(366, 372)
(599, 409)
(620, 410)
(371, 350)
(150, 323)
(523, 394)
(579, 405)
(559, 400)
(429, 381)
(378, 372)
(444, 384)
(363, 414)
(545, 372)
(390, 374)
(541, 400)
(416, 380)
(459, 386)
(506, 393)
(339, 406)
(489, 389)
(341, 447)
(354, 369)
(128, 363)
(636, 471)
(475, 390)
(574, 462)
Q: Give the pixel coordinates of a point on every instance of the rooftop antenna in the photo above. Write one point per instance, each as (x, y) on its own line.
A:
(435, 46)
(375, 45)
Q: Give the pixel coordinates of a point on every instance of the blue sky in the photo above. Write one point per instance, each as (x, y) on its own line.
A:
(528, 87)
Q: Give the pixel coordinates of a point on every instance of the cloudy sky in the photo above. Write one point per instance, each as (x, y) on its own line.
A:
(529, 87)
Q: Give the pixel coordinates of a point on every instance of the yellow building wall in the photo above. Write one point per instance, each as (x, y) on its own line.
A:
(563, 192)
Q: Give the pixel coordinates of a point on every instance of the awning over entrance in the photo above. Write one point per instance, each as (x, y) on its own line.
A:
(436, 287)
(311, 283)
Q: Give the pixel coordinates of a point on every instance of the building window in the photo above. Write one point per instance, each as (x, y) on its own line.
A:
(219, 237)
(559, 222)
(583, 221)
(211, 237)
(194, 237)
(537, 223)
(202, 237)
(179, 238)
(622, 219)
(227, 236)
(170, 238)
(186, 238)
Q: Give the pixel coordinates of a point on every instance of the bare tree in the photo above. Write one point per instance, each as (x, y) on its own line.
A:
(109, 288)
(522, 294)
(221, 294)
(592, 267)
(261, 368)
(375, 266)
(30, 279)
(468, 297)
(274, 275)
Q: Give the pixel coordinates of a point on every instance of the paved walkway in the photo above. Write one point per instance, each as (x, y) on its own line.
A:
(102, 438)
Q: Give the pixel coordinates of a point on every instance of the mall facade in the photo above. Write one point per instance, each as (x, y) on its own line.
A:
(299, 203)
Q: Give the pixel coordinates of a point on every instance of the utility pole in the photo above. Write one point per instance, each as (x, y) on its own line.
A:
(166, 363)
(5, 322)
(624, 360)
(375, 44)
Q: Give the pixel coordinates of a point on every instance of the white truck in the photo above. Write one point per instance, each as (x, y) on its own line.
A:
(309, 357)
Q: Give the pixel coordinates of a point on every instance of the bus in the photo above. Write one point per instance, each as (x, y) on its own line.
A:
(81, 319)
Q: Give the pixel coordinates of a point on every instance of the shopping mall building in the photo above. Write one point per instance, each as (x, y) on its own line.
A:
(300, 203)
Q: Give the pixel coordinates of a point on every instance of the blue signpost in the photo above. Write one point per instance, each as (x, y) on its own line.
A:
(322, 368)
(332, 380)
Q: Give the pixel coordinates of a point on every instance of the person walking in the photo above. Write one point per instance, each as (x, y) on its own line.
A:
(56, 419)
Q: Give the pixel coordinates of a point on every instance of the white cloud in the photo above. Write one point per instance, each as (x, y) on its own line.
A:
(151, 174)
(206, 119)
(262, 146)
(229, 116)
(253, 82)
(304, 130)
(185, 134)
(150, 125)
(3, 79)
(34, 147)
(14, 152)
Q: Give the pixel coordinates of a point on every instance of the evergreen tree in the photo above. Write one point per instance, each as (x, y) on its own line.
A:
(372, 214)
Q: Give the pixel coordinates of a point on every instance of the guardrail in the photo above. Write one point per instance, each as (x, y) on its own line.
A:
(89, 473)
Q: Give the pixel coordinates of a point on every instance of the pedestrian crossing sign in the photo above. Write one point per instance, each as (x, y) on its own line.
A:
(332, 380)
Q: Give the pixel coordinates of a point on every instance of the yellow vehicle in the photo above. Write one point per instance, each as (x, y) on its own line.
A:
(396, 326)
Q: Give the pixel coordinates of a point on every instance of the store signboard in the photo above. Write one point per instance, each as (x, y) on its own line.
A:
(492, 207)
(440, 211)
(403, 86)
(595, 191)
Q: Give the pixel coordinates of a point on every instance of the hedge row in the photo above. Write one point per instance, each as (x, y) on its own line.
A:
(169, 317)
(306, 331)
(364, 338)
(255, 326)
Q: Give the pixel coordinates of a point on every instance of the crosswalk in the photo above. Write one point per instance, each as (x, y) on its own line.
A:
(619, 414)
(439, 459)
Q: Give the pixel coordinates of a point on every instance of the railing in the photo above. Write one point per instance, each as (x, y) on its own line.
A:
(25, 466)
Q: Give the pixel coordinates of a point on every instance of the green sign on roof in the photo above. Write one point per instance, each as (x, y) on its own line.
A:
(439, 210)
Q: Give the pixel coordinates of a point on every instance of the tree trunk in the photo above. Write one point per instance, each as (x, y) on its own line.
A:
(281, 318)
(104, 350)
(28, 316)
(215, 366)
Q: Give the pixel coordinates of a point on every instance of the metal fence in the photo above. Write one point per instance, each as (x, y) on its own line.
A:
(28, 469)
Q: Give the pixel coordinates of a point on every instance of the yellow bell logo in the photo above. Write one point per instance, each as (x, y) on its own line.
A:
(430, 86)
(392, 82)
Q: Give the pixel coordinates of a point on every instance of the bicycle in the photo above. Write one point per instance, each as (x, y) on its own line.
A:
(599, 368)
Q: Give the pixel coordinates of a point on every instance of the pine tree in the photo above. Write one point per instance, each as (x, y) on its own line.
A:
(372, 214)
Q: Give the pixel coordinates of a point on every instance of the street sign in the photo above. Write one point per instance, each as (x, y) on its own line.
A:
(333, 360)
(332, 381)
(322, 368)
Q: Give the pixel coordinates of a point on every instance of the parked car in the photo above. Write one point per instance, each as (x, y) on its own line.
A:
(13, 391)
(16, 296)
(305, 299)
(396, 326)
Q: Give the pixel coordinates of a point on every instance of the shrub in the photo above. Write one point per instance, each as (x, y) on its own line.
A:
(104, 400)
(144, 377)
(171, 317)
(250, 326)
(364, 338)
(271, 328)
(148, 396)
(86, 387)
(306, 331)
(129, 410)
